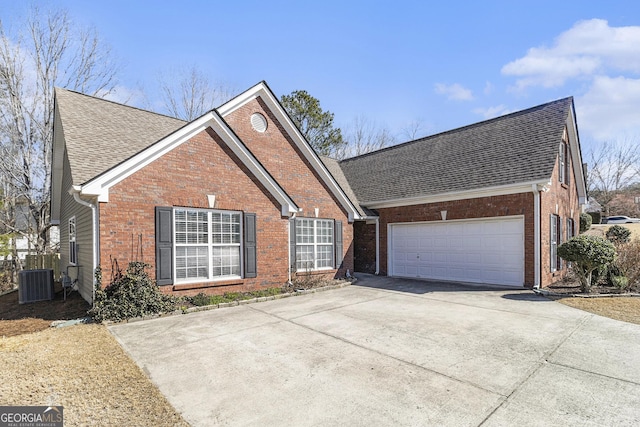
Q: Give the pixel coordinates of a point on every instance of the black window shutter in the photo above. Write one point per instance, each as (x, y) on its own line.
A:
(292, 244)
(250, 252)
(164, 245)
(559, 262)
(338, 243)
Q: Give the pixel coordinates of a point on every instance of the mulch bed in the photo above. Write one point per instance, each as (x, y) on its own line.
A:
(16, 318)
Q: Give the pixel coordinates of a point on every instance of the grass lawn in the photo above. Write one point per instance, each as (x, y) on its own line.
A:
(626, 309)
(84, 369)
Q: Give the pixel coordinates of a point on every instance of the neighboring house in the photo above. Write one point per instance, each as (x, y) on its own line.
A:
(487, 203)
(235, 200)
(594, 209)
(625, 202)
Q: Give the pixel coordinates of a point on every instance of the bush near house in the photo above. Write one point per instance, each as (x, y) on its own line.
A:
(588, 254)
(585, 222)
(618, 235)
(131, 294)
(596, 217)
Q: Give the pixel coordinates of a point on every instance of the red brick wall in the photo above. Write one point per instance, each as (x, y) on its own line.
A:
(364, 251)
(289, 167)
(561, 200)
(483, 207)
(202, 166)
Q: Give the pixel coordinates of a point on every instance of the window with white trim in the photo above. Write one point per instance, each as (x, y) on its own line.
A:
(314, 244)
(73, 247)
(570, 228)
(208, 244)
(564, 161)
(555, 239)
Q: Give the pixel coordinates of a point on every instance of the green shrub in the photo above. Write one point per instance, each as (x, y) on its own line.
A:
(587, 253)
(132, 294)
(620, 282)
(618, 234)
(596, 217)
(585, 222)
(203, 299)
(200, 299)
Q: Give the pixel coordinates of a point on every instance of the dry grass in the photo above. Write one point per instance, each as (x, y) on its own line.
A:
(626, 309)
(601, 229)
(85, 370)
(17, 319)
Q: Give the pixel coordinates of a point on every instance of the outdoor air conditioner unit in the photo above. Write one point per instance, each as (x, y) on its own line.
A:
(35, 285)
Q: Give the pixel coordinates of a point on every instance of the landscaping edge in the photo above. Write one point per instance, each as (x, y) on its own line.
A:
(232, 304)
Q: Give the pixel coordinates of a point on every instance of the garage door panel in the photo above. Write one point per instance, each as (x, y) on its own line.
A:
(485, 251)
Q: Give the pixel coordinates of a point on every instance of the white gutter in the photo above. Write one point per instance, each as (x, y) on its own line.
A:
(75, 191)
(500, 190)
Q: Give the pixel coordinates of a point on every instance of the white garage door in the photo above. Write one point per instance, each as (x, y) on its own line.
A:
(482, 251)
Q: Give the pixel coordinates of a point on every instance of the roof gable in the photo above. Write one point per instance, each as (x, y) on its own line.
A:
(517, 149)
(262, 91)
(121, 163)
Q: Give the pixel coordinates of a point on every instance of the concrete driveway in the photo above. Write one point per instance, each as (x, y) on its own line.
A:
(392, 352)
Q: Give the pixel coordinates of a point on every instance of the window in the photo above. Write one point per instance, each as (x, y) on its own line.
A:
(207, 244)
(314, 244)
(555, 239)
(73, 247)
(563, 162)
(570, 229)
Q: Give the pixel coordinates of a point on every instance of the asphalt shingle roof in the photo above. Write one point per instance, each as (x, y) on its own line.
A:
(100, 134)
(516, 148)
(337, 173)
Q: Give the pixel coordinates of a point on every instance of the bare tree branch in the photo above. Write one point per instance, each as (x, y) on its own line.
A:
(189, 93)
(363, 136)
(413, 130)
(49, 52)
(613, 166)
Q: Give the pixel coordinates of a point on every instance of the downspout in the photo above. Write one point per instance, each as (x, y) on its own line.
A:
(96, 245)
(293, 216)
(377, 246)
(536, 236)
(538, 189)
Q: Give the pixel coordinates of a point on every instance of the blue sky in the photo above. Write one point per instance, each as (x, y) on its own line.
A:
(442, 64)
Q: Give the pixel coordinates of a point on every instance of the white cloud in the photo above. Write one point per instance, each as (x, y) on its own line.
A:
(589, 48)
(609, 109)
(455, 91)
(491, 112)
(488, 88)
(125, 95)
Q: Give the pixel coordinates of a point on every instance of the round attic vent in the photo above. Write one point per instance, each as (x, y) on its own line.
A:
(258, 122)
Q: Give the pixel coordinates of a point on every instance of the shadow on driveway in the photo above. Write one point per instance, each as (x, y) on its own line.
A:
(424, 286)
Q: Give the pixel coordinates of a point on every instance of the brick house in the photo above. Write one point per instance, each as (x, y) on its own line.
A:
(487, 203)
(236, 199)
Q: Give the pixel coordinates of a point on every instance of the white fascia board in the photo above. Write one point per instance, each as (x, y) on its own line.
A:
(576, 156)
(261, 90)
(221, 128)
(501, 190)
(100, 186)
(57, 168)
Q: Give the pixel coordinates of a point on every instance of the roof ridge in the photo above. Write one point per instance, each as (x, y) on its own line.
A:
(472, 125)
(120, 104)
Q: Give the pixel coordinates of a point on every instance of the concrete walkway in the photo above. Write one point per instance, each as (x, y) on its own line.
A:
(392, 352)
